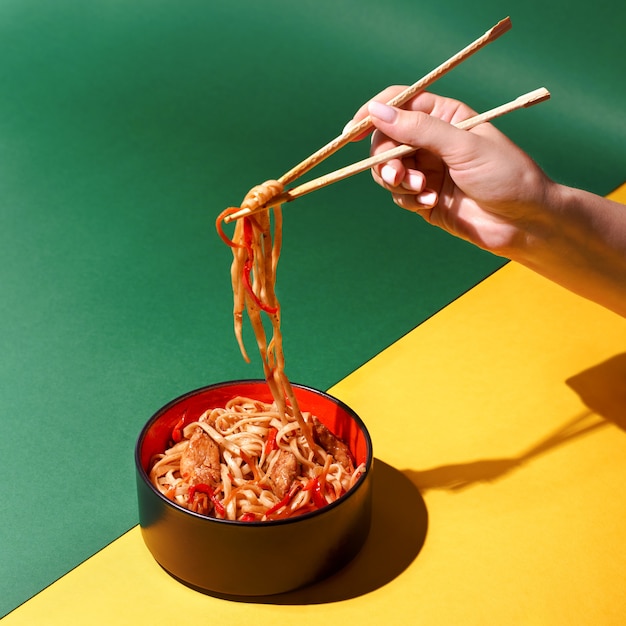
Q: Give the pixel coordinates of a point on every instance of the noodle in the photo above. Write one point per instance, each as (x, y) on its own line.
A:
(249, 460)
(251, 466)
(256, 250)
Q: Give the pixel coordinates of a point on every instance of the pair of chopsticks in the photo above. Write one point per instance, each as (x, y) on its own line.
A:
(524, 101)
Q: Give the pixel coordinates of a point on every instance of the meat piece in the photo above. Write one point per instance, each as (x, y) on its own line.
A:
(283, 473)
(333, 445)
(200, 462)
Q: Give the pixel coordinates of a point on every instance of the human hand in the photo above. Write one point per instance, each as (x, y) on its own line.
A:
(476, 184)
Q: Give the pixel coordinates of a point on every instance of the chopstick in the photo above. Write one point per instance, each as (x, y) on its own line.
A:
(524, 101)
(364, 125)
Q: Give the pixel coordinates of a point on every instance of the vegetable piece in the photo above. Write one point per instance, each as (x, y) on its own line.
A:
(209, 491)
(270, 442)
(220, 229)
(316, 492)
(177, 433)
(285, 501)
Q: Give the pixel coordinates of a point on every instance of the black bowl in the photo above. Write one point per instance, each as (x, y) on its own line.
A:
(234, 558)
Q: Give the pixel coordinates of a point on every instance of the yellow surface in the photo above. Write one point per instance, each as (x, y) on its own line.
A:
(507, 411)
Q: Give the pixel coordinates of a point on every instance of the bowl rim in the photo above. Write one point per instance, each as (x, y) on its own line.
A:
(256, 523)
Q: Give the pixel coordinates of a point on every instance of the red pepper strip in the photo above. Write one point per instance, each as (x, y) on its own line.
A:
(248, 517)
(316, 492)
(318, 497)
(177, 434)
(204, 488)
(286, 500)
(270, 443)
(220, 230)
(247, 267)
(270, 310)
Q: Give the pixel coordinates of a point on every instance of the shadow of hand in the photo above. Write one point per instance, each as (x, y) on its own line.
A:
(603, 389)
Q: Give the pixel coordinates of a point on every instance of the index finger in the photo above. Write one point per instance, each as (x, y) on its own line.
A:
(384, 96)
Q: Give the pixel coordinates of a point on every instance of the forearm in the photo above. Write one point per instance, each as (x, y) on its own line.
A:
(581, 244)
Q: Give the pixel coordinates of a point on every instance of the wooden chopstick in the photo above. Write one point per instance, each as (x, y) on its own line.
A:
(523, 101)
(364, 125)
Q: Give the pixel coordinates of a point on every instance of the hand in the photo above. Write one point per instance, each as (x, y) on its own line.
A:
(480, 186)
(475, 184)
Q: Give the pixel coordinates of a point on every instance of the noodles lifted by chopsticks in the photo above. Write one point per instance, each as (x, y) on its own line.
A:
(250, 460)
(256, 245)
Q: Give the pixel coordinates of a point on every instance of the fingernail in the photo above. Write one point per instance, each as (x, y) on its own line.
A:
(427, 198)
(413, 181)
(382, 111)
(388, 174)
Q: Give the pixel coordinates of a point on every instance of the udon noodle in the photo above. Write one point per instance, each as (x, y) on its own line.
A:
(256, 245)
(246, 462)
(251, 460)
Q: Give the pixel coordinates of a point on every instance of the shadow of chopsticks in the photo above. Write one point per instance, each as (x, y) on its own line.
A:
(602, 389)
(458, 476)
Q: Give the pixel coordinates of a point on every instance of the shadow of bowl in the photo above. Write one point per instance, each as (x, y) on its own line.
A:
(393, 544)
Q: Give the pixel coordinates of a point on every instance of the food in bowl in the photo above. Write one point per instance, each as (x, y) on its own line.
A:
(249, 461)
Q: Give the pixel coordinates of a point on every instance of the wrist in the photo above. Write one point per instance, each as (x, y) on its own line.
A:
(553, 229)
(532, 223)
(578, 240)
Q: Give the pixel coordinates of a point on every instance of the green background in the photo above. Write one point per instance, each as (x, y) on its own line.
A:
(126, 127)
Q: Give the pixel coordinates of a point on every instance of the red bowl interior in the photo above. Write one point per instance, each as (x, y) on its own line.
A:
(339, 418)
